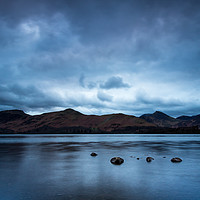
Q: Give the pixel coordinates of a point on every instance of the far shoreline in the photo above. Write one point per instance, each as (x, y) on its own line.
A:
(195, 133)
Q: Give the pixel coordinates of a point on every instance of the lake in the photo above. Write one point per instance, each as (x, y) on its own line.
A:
(58, 167)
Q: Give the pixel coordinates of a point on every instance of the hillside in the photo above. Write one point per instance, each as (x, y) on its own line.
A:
(160, 119)
(71, 121)
(67, 121)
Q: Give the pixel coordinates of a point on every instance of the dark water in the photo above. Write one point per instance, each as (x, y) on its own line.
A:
(58, 167)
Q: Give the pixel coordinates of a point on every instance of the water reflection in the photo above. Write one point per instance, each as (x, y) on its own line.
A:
(60, 167)
(119, 145)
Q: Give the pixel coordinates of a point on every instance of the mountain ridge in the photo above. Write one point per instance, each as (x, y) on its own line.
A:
(72, 121)
(160, 119)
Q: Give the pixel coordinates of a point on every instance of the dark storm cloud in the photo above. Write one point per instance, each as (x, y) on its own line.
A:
(29, 97)
(170, 106)
(158, 102)
(146, 105)
(104, 97)
(114, 82)
(75, 45)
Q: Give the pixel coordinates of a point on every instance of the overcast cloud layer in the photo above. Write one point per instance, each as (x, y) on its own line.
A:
(100, 56)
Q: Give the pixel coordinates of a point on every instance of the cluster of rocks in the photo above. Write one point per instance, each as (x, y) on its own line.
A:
(119, 161)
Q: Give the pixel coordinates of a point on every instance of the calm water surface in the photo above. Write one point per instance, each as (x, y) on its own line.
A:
(58, 167)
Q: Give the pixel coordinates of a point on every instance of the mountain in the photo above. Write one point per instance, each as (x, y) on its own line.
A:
(68, 121)
(189, 121)
(71, 121)
(12, 115)
(160, 119)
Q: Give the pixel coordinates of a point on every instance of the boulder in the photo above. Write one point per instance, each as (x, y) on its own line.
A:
(93, 154)
(117, 160)
(149, 159)
(176, 159)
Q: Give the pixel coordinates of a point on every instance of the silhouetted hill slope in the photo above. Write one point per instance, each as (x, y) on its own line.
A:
(11, 115)
(71, 121)
(186, 121)
(160, 119)
(67, 121)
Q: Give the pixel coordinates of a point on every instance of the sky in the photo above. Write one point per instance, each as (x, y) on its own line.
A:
(100, 56)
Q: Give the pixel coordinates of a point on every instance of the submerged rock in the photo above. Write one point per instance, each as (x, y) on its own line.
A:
(117, 160)
(176, 159)
(149, 159)
(93, 154)
(138, 158)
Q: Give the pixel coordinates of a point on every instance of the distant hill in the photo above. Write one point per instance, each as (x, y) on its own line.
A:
(71, 121)
(186, 121)
(160, 119)
(67, 121)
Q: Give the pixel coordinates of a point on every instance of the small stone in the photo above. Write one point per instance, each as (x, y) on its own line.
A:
(149, 159)
(176, 159)
(93, 154)
(117, 160)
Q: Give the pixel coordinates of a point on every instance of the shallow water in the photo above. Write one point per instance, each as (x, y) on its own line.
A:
(58, 167)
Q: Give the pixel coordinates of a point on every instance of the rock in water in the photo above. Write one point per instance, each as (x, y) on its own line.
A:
(93, 154)
(176, 159)
(117, 160)
(149, 159)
